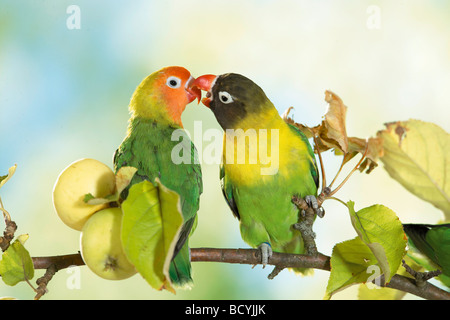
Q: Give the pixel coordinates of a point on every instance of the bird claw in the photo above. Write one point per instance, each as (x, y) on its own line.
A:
(312, 203)
(321, 212)
(266, 253)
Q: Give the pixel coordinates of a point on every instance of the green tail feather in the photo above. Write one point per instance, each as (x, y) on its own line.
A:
(180, 268)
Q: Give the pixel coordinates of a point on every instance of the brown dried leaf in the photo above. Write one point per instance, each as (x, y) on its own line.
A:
(307, 131)
(374, 151)
(286, 117)
(333, 130)
(124, 177)
(332, 134)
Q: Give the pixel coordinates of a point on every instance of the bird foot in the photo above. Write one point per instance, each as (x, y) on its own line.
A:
(312, 203)
(266, 253)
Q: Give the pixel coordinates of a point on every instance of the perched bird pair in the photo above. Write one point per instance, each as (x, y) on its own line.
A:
(261, 202)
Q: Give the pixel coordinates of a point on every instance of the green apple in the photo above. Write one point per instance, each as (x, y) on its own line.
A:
(101, 246)
(78, 179)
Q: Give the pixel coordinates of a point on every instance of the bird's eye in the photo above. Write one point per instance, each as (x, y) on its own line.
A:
(225, 97)
(173, 82)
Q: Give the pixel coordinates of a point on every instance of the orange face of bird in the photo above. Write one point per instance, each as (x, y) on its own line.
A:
(174, 84)
(164, 95)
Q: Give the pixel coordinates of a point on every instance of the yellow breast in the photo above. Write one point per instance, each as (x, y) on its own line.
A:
(252, 156)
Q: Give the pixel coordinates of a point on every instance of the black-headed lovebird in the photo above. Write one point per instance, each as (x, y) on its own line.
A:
(156, 107)
(265, 163)
(432, 240)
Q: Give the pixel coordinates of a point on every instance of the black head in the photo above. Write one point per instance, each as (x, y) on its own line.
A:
(234, 97)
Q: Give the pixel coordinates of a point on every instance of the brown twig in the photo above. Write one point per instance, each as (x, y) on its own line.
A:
(8, 234)
(52, 265)
(427, 291)
(43, 281)
(10, 229)
(275, 272)
(420, 277)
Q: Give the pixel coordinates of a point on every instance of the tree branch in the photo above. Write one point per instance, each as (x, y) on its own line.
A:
(59, 262)
(8, 234)
(43, 281)
(428, 291)
(252, 257)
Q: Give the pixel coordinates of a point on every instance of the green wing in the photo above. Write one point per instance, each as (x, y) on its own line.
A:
(313, 165)
(433, 241)
(227, 190)
(439, 238)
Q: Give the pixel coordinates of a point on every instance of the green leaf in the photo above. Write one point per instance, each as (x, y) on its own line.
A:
(416, 154)
(16, 264)
(378, 249)
(90, 199)
(123, 179)
(381, 230)
(151, 224)
(370, 291)
(4, 179)
(351, 263)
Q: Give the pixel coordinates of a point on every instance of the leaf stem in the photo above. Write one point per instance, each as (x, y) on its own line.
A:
(351, 172)
(6, 214)
(338, 173)
(339, 200)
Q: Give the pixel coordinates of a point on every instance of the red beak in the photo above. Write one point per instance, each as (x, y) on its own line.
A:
(205, 83)
(193, 92)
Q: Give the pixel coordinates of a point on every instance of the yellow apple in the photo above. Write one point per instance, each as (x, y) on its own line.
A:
(78, 179)
(101, 247)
